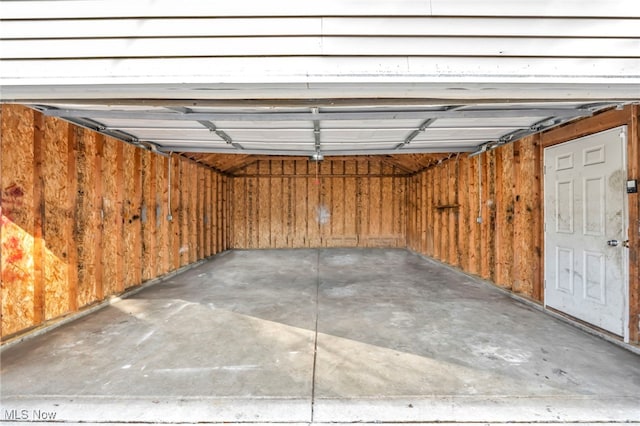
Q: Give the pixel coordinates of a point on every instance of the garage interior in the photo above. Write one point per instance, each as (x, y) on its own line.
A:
(317, 234)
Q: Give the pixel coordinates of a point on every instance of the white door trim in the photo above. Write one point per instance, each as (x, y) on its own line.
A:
(625, 221)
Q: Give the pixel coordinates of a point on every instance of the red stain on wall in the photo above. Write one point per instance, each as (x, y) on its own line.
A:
(11, 198)
(13, 249)
(13, 191)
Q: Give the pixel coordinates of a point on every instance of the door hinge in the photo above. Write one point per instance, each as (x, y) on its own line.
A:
(545, 284)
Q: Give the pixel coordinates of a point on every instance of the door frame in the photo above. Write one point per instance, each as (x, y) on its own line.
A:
(624, 136)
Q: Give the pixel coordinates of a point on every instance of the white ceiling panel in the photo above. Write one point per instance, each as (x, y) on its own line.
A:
(355, 129)
(275, 125)
(450, 133)
(510, 122)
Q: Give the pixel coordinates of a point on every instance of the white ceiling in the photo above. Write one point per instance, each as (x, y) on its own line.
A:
(329, 130)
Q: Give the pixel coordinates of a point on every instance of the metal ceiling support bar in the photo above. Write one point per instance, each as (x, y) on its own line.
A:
(116, 134)
(316, 134)
(212, 128)
(538, 127)
(208, 124)
(310, 116)
(426, 123)
(317, 155)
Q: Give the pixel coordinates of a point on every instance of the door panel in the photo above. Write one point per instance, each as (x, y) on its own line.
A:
(584, 208)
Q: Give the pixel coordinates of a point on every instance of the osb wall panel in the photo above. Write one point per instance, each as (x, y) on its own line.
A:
(57, 218)
(479, 214)
(160, 213)
(132, 204)
(18, 222)
(334, 203)
(85, 217)
(86, 224)
(112, 225)
(148, 216)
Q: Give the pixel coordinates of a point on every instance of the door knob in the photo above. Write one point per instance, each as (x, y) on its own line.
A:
(613, 243)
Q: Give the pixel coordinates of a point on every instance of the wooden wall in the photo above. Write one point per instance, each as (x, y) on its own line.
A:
(84, 217)
(482, 214)
(350, 202)
(503, 187)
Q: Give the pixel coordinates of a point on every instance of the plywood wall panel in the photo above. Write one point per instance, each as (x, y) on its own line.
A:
(240, 213)
(525, 213)
(99, 216)
(38, 219)
(174, 216)
(161, 212)
(84, 217)
(183, 213)
(148, 216)
(206, 211)
(132, 217)
(462, 225)
(198, 193)
(505, 207)
(351, 212)
(501, 187)
(218, 209)
(57, 218)
(326, 203)
(300, 197)
(427, 212)
(338, 197)
(225, 203)
(474, 213)
(214, 213)
(264, 205)
(86, 223)
(438, 232)
(375, 198)
(17, 173)
(112, 217)
(453, 212)
(288, 205)
(387, 218)
(193, 212)
(72, 195)
(414, 211)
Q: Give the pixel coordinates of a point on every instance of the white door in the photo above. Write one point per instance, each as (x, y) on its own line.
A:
(585, 228)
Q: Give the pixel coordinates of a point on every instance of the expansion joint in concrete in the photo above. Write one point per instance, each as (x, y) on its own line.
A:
(315, 338)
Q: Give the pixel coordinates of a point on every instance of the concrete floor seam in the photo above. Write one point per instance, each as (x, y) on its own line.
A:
(315, 342)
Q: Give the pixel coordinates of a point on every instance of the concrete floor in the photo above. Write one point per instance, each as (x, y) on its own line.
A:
(335, 335)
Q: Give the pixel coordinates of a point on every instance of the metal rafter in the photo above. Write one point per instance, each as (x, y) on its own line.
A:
(423, 126)
(209, 125)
